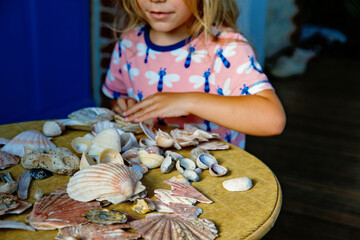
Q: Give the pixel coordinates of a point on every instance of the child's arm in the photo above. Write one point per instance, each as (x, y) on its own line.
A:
(122, 104)
(261, 114)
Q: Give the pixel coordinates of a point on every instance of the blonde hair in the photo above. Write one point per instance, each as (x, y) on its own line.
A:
(206, 13)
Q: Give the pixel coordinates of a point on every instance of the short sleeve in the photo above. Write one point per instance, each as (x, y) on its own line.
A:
(114, 86)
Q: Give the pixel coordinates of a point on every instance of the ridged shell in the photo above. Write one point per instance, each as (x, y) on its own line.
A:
(53, 128)
(109, 181)
(8, 160)
(92, 115)
(58, 210)
(110, 155)
(180, 179)
(217, 170)
(81, 144)
(204, 160)
(165, 196)
(150, 160)
(163, 139)
(86, 161)
(32, 138)
(188, 191)
(173, 227)
(108, 138)
(238, 184)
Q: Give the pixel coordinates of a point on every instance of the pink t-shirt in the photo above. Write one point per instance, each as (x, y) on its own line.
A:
(139, 68)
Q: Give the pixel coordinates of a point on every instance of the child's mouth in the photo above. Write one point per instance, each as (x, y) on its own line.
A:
(159, 15)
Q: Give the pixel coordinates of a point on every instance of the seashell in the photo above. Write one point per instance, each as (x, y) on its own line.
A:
(15, 225)
(7, 203)
(165, 196)
(58, 210)
(172, 226)
(217, 170)
(40, 173)
(185, 163)
(53, 128)
(32, 138)
(191, 175)
(95, 231)
(20, 208)
(188, 191)
(38, 194)
(174, 155)
(128, 141)
(58, 160)
(139, 167)
(9, 186)
(4, 141)
(148, 129)
(143, 206)
(81, 144)
(100, 126)
(180, 179)
(194, 154)
(155, 149)
(163, 139)
(167, 165)
(205, 160)
(105, 216)
(198, 171)
(91, 115)
(214, 146)
(24, 181)
(108, 181)
(184, 210)
(110, 155)
(131, 155)
(86, 161)
(108, 138)
(146, 142)
(238, 184)
(150, 160)
(8, 160)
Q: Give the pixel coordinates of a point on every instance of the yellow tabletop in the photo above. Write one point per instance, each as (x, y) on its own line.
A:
(237, 215)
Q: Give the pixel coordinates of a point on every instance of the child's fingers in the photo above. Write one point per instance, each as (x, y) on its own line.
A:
(136, 107)
(121, 103)
(137, 116)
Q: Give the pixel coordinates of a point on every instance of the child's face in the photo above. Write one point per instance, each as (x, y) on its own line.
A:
(165, 16)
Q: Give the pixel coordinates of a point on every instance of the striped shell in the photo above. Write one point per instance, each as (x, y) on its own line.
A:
(174, 227)
(150, 160)
(8, 160)
(109, 181)
(163, 139)
(32, 138)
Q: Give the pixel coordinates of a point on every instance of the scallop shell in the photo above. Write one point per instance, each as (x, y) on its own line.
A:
(81, 144)
(165, 196)
(188, 191)
(172, 226)
(58, 210)
(86, 161)
(150, 160)
(163, 139)
(53, 128)
(205, 160)
(217, 170)
(91, 115)
(110, 155)
(238, 184)
(109, 181)
(167, 165)
(185, 163)
(194, 154)
(32, 138)
(108, 138)
(8, 160)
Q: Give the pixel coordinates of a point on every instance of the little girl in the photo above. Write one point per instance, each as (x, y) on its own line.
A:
(184, 61)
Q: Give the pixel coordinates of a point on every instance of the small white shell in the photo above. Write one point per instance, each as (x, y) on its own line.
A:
(238, 184)
(174, 155)
(150, 160)
(179, 179)
(205, 160)
(110, 155)
(163, 139)
(217, 170)
(185, 163)
(38, 194)
(167, 165)
(86, 161)
(81, 144)
(191, 175)
(53, 128)
(131, 155)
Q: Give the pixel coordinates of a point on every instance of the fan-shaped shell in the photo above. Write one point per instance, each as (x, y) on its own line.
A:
(8, 160)
(150, 160)
(32, 138)
(109, 181)
(81, 144)
(188, 191)
(166, 197)
(205, 160)
(110, 155)
(238, 184)
(91, 115)
(53, 128)
(108, 138)
(172, 227)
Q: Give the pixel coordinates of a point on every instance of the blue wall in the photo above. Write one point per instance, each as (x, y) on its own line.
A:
(45, 59)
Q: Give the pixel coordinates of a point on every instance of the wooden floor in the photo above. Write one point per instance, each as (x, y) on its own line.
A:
(317, 158)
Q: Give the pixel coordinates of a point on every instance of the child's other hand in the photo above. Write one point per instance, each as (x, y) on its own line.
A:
(160, 105)
(122, 104)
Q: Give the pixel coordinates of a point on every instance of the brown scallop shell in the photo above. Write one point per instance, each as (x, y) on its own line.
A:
(8, 160)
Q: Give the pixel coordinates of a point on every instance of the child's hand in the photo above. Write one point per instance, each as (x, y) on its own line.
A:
(160, 105)
(122, 104)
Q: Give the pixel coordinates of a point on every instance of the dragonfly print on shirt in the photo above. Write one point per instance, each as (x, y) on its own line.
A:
(144, 50)
(206, 79)
(191, 55)
(123, 44)
(225, 90)
(249, 66)
(161, 78)
(223, 56)
(131, 71)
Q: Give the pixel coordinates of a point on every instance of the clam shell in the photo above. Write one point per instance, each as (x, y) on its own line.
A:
(173, 226)
(180, 179)
(8, 160)
(198, 171)
(205, 160)
(139, 167)
(109, 181)
(217, 170)
(187, 191)
(146, 142)
(32, 138)
(128, 141)
(24, 181)
(86, 161)
(174, 155)
(185, 163)
(150, 160)
(91, 115)
(81, 144)
(110, 155)
(163, 139)
(108, 138)
(132, 155)
(238, 184)
(191, 175)
(167, 165)
(53, 128)
(194, 154)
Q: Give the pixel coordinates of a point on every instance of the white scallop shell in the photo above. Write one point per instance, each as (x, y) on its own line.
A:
(8, 160)
(53, 128)
(238, 184)
(204, 160)
(165, 196)
(110, 181)
(109, 155)
(32, 138)
(108, 138)
(150, 160)
(163, 139)
(81, 144)
(217, 170)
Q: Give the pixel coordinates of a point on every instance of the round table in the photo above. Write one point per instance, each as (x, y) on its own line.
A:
(237, 215)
